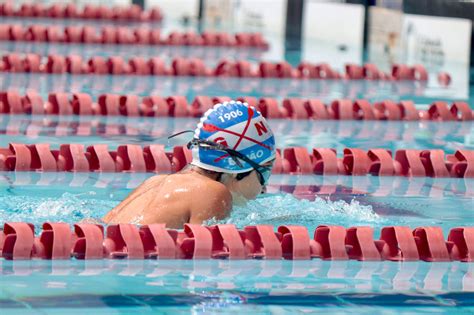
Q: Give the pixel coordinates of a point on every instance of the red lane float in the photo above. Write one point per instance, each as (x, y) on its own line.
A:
(295, 242)
(123, 241)
(55, 241)
(381, 162)
(262, 242)
(18, 240)
(444, 78)
(330, 243)
(195, 242)
(398, 244)
(297, 161)
(325, 162)
(143, 35)
(158, 242)
(11, 102)
(431, 244)
(88, 241)
(15, 62)
(462, 163)
(360, 244)
(293, 160)
(227, 242)
(89, 11)
(461, 242)
(224, 241)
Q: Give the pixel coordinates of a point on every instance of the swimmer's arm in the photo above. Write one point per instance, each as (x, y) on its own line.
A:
(218, 207)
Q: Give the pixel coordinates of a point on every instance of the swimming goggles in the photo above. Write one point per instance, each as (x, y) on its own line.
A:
(263, 172)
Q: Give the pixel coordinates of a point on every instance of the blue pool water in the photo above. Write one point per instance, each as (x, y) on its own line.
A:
(301, 200)
(261, 287)
(449, 136)
(326, 90)
(224, 286)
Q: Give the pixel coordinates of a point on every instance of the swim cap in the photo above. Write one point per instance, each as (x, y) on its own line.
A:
(237, 126)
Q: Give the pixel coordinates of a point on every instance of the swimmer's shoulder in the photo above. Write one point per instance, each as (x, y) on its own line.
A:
(155, 180)
(215, 197)
(202, 190)
(210, 184)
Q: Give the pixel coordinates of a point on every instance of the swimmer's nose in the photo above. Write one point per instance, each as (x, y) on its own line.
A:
(264, 190)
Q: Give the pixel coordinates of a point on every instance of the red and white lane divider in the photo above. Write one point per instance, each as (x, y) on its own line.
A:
(74, 64)
(143, 35)
(89, 11)
(225, 241)
(12, 102)
(296, 160)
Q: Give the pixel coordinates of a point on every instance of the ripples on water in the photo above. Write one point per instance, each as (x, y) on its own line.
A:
(69, 208)
(281, 209)
(275, 209)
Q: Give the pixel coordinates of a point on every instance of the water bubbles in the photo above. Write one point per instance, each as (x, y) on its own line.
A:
(281, 209)
(137, 219)
(69, 208)
(275, 209)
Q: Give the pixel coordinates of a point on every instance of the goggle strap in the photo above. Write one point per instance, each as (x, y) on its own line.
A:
(235, 155)
(180, 133)
(214, 146)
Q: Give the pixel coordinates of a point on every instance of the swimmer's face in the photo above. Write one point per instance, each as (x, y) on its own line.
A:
(249, 187)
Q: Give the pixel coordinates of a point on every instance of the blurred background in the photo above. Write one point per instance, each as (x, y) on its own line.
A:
(435, 33)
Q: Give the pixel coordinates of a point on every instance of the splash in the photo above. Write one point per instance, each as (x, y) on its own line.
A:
(280, 209)
(69, 208)
(275, 209)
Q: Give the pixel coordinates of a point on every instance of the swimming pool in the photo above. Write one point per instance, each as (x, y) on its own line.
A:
(217, 286)
(263, 287)
(259, 286)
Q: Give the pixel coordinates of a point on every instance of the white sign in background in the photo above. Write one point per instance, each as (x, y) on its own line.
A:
(333, 33)
(176, 9)
(384, 37)
(435, 40)
(267, 16)
(440, 44)
(264, 16)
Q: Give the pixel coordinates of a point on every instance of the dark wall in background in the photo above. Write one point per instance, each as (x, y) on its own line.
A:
(294, 24)
(451, 8)
(141, 3)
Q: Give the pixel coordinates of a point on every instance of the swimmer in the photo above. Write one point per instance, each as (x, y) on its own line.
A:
(233, 151)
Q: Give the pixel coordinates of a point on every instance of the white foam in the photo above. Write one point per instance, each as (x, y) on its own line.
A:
(69, 208)
(280, 209)
(275, 209)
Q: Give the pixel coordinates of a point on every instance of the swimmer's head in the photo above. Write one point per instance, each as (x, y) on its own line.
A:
(234, 138)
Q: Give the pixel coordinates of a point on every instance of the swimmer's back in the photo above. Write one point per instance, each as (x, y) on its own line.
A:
(173, 199)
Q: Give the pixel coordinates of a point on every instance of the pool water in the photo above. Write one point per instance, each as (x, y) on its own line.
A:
(326, 90)
(302, 200)
(261, 287)
(211, 287)
(114, 131)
